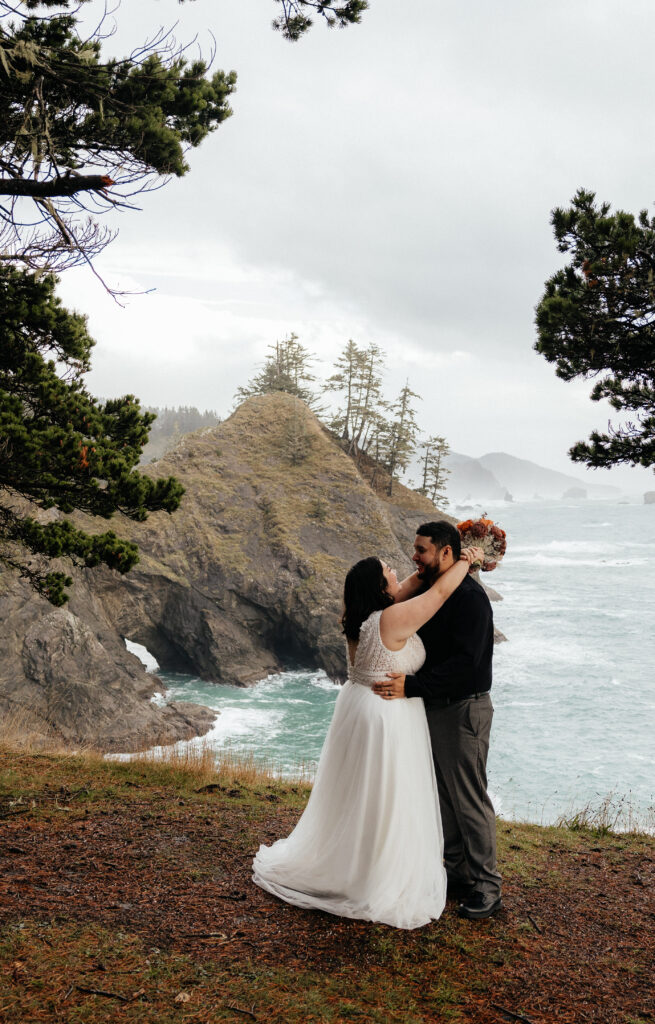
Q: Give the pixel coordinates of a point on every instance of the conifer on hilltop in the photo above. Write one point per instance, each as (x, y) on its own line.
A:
(402, 433)
(345, 380)
(285, 369)
(359, 378)
(434, 473)
(380, 436)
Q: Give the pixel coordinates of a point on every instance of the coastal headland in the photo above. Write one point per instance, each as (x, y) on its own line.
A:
(245, 579)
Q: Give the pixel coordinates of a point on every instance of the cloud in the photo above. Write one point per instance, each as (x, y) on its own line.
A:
(389, 183)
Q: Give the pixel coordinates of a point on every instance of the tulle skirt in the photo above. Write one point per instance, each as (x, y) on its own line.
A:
(369, 844)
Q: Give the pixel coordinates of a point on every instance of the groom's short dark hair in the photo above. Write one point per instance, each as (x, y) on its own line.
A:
(442, 533)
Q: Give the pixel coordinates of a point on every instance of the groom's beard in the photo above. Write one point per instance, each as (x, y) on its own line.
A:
(429, 575)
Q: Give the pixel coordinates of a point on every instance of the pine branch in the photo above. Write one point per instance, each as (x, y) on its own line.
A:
(66, 186)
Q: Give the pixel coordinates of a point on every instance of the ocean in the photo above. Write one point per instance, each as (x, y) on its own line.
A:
(574, 685)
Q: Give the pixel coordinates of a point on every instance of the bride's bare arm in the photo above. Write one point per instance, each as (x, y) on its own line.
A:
(399, 621)
(408, 588)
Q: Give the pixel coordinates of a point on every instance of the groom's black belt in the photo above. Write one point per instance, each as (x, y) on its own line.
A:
(444, 702)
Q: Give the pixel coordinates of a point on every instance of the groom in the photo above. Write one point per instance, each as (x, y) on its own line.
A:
(454, 683)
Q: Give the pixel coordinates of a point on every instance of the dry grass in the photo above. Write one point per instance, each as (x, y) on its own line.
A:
(203, 764)
(188, 765)
(615, 814)
(23, 730)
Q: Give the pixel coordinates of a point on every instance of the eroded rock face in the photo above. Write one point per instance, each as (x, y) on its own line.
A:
(68, 679)
(244, 580)
(247, 577)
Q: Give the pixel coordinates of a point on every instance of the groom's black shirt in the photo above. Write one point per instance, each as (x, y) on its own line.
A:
(458, 643)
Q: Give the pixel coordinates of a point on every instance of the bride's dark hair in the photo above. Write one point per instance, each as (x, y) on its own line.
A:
(364, 592)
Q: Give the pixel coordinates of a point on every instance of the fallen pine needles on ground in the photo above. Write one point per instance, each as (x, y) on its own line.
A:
(125, 894)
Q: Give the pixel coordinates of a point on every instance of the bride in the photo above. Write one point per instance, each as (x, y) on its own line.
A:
(369, 843)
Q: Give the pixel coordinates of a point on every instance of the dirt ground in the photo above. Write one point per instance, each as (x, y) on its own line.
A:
(574, 943)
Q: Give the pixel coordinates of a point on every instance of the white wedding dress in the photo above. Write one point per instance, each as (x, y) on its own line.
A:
(369, 843)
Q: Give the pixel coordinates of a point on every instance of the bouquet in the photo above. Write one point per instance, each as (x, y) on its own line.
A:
(484, 533)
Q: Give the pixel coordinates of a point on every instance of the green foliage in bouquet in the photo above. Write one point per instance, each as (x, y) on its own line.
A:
(60, 448)
(597, 319)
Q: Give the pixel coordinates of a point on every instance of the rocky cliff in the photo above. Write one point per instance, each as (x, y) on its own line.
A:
(66, 677)
(245, 579)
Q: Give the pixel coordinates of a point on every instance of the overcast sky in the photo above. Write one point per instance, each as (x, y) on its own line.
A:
(391, 182)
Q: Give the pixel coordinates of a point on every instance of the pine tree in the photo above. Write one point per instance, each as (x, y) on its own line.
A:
(378, 443)
(286, 369)
(297, 442)
(344, 380)
(403, 429)
(597, 319)
(61, 448)
(434, 473)
(81, 134)
(295, 19)
(359, 378)
(368, 403)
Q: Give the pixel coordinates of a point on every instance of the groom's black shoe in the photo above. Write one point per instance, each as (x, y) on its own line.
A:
(459, 890)
(479, 905)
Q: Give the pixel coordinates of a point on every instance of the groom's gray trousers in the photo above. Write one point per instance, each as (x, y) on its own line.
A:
(460, 742)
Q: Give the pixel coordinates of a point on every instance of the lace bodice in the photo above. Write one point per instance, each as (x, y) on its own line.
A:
(373, 660)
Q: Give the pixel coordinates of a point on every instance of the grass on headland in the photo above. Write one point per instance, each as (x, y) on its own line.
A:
(614, 814)
(175, 765)
(186, 765)
(192, 824)
(177, 771)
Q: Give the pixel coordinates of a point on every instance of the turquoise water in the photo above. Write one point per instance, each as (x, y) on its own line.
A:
(574, 686)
